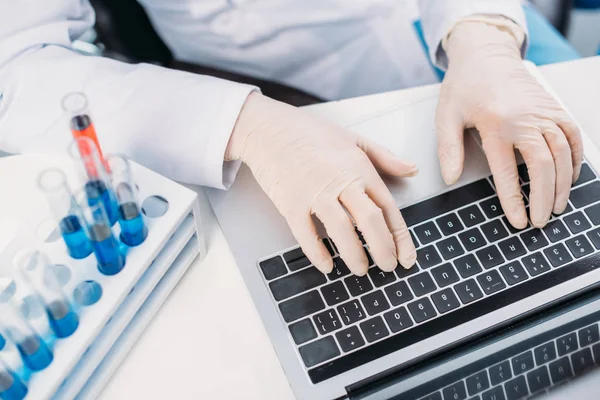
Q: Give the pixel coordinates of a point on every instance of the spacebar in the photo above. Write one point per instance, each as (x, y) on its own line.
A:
(448, 201)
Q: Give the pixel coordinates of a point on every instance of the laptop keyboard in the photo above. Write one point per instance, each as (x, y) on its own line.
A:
(525, 370)
(470, 261)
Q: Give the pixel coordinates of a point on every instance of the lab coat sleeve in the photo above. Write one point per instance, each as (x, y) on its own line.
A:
(175, 123)
(439, 16)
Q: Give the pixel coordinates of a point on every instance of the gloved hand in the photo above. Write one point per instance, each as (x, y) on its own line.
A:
(488, 87)
(308, 166)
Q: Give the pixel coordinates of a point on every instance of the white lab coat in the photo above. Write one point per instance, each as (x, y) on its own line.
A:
(178, 123)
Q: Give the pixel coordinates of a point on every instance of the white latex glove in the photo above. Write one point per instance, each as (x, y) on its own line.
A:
(488, 87)
(308, 166)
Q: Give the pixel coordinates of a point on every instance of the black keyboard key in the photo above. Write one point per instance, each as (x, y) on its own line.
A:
(492, 207)
(329, 246)
(398, 293)
(358, 285)
(467, 266)
(471, 216)
(350, 339)
(582, 361)
(403, 272)
(496, 393)
(472, 239)
(513, 273)
(523, 172)
(445, 300)
(450, 248)
(340, 269)
(299, 282)
(494, 230)
(577, 222)
(446, 202)
(414, 239)
(351, 312)
(468, 291)
(560, 370)
(398, 319)
(433, 396)
(427, 232)
(296, 259)
(535, 264)
(490, 257)
(534, 239)
(545, 353)
(526, 190)
(301, 306)
(556, 230)
(567, 344)
(512, 248)
(327, 321)
(421, 284)
(491, 282)
(334, 293)
(500, 373)
(589, 335)
(538, 379)
(478, 383)
(593, 213)
(273, 268)
(523, 363)
(455, 392)
(421, 310)
(303, 331)
(369, 258)
(428, 257)
(319, 351)
(586, 175)
(375, 302)
(445, 275)
(381, 278)
(584, 195)
(596, 350)
(516, 388)
(579, 246)
(595, 237)
(450, 224)
(374, 329)
(558, 255)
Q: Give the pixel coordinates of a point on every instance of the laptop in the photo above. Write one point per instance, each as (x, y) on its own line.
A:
(338, 336)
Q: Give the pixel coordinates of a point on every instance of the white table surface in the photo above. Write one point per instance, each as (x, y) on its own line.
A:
(207, 341)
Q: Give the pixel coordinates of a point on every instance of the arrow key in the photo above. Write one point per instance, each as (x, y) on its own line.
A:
(350, 339)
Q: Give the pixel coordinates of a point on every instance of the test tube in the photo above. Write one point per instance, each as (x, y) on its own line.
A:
(34, 351)
(11, 386)
(36, 268)
(131, 221)
(75, 106)
(53, 182)
(106, 247)
(97, 182)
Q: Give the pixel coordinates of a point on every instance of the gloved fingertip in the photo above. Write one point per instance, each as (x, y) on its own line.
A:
(325, 265)
(408, 258)
(539, 221)
(389, 265)
(450, 174)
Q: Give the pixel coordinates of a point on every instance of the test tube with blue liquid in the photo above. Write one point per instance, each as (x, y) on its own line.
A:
(38, 271)
(34, 351)
(53, 182)
(11, 385)
(131, 220)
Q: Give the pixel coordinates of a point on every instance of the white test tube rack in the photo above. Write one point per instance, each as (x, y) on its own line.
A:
(85, 361)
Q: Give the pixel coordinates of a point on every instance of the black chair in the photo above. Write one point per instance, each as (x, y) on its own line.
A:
(126, 33)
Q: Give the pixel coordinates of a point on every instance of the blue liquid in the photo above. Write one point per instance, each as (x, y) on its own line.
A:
(2, 342)
(133, 229)
(97, 191)
(106, 248)
(63, 320)
(11, 387)
(35, 353)
(77, 242)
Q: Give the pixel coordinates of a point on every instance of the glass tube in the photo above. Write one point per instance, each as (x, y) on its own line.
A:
(37, 270)
(75, 106)
(104, 244)
(97, 182)
(11, 386)
(34, 351)
(131, 221)
(53, 182)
